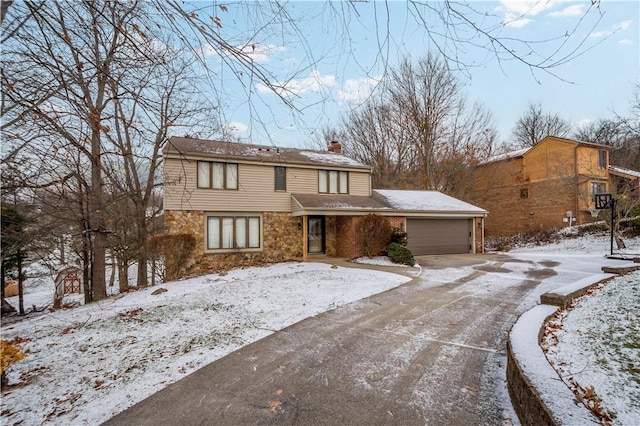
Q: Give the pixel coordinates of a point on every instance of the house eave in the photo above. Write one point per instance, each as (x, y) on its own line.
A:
(389, 212)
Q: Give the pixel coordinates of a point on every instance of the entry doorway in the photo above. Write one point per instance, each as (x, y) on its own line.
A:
(316, 234)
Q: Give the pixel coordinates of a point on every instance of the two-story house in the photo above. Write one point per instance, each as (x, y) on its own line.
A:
(250, 204)
(549, 185)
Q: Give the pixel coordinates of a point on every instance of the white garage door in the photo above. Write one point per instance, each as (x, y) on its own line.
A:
(439, 236)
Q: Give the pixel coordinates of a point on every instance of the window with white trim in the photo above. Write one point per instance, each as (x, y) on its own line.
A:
(217, 175)
(233, 232)
(333, 182)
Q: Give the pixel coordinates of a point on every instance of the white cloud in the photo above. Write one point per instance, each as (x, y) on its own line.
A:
(261, 53)
(525, 7)
(519, 13)
(606, 33)
(236, 127)
(358, 89)
(513, 21)
(581, 124)
(574, 10)
(316, 82)
(626, 42)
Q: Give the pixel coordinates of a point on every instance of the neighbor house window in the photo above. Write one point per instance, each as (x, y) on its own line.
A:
(598, 188)
(602, 159)
(281, 178)
(333, 182)
(233, 232)
(524, 193)
(217, 175)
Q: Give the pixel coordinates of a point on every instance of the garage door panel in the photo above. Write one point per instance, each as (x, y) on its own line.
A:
(438, 236)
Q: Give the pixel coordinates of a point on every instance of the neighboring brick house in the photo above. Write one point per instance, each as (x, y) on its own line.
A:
(540, 187)
(250, 204)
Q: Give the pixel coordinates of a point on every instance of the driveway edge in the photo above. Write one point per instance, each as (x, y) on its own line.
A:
(529, 372)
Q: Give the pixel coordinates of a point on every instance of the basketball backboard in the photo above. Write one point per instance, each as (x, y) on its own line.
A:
(603, 201)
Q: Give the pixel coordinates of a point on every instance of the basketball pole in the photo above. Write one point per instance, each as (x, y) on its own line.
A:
(612, 205)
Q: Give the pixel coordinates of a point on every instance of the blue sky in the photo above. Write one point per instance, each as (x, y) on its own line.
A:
(328, 61)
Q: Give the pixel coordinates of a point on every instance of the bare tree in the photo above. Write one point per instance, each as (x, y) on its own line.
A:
(536, 124)
(419, 131)
(621, 133)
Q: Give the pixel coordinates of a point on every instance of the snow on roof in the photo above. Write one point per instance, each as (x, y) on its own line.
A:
(624, 171)
(431, 201)
(262, 153)
(330, 157)
(507, 155)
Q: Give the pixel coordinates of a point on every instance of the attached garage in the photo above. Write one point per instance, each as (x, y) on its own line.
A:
(439, 236)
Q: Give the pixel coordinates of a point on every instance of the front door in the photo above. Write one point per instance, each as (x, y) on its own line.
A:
(316, 234)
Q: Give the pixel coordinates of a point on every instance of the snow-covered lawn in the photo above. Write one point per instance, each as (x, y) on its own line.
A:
(88, 363)
(596, 343)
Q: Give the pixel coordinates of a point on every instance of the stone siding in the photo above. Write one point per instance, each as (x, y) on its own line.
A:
(281, 240)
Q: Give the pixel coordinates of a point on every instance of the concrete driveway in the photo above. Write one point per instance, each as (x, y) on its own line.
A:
(431, 351)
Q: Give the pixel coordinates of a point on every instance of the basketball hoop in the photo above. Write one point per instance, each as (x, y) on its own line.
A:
(594, 212)
(602, 201)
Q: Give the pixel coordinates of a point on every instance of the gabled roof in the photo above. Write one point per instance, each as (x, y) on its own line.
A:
(425, 201)
(257, 153)
(521, 152)
(386, 202)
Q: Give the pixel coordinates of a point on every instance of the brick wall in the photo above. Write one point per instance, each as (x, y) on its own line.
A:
(346, 240)
(545, 205)
(281, 238)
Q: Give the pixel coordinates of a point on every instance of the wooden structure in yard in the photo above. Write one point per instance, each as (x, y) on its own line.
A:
(68, 281)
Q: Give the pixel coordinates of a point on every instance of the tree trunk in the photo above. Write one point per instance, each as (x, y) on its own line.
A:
(20, 284)
(86, 269)
(62, 259)
(123, 274)
(98, 264)
(143, 257)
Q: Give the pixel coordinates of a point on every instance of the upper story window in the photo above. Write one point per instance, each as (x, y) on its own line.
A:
(280, 178)
(333, 182)
(217, 175)
(602, 159)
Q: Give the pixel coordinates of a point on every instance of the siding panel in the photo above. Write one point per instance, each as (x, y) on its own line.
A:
(256, 190)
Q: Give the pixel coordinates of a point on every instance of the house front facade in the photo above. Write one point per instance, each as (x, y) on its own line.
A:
(549, 185)
(252, 204)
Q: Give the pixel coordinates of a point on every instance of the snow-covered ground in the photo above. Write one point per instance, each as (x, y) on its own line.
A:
(596, 342)
(88, 363)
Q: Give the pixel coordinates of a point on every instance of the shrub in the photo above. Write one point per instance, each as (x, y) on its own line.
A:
(400, 236)
(400, 254)
(176, 250)
(631, 226)
(373, 234)
(10, 354)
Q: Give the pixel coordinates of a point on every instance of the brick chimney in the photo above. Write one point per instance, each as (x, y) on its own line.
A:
(335, 147)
